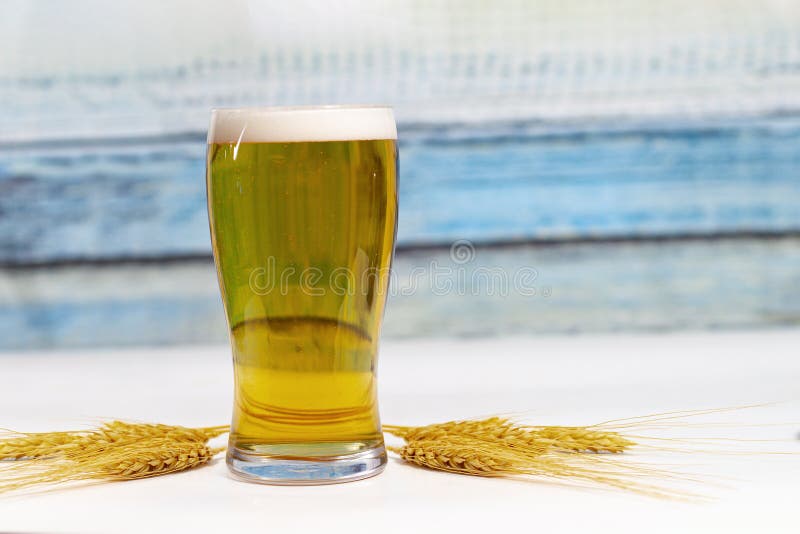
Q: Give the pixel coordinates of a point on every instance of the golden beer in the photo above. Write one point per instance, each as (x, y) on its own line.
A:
(303, 206)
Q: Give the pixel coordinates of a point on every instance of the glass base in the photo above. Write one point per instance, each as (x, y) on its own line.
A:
(286, 470)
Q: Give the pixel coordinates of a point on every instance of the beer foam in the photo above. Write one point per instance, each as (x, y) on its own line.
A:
(294, 124)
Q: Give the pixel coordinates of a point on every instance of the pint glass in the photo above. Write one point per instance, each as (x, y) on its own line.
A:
(302, 205)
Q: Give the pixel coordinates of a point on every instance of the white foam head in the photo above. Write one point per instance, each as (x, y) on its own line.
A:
(304, 123)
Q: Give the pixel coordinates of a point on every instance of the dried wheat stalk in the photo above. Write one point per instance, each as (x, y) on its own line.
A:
(492, 447)
(505, 432)
(467, 455)
(33, 445)
(87, 442)
(147, 458)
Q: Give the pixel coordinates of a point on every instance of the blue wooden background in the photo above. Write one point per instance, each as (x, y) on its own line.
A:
(644, 159)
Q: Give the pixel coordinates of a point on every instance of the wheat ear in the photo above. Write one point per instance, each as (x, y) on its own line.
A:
(531, 438)
(147, 458)
(87, 442)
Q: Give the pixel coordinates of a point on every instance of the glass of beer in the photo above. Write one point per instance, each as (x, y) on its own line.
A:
(302, 204)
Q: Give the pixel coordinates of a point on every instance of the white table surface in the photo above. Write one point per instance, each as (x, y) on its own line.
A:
(556, 380)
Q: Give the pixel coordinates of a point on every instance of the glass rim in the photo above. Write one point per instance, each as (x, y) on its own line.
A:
(311, 107)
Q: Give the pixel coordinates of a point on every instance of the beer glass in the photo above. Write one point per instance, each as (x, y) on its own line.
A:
(302, 205)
